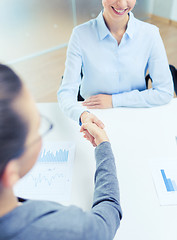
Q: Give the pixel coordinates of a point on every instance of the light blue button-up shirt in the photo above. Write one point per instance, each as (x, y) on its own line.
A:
(119, 70)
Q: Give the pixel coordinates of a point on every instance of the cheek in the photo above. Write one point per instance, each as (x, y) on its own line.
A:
(103, 3)
(132, 4)
(31, 157)
(37, 150)
(107, 3)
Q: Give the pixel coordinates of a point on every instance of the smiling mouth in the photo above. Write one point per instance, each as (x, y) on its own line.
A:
(120, 12)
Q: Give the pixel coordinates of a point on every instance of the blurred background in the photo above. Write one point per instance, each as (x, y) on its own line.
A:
(35, 34)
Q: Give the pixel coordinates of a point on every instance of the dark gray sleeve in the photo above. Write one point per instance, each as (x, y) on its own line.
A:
(104, 218)
(47, 220)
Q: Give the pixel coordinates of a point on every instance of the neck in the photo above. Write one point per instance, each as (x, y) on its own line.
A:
(116, 25)
(7, 201)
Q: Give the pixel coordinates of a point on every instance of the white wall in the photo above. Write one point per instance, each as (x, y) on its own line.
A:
(151, 6)
(162, 8)
(174, 11)
(141, 9)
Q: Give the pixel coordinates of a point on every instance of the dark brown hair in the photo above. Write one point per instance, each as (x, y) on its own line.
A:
(13, 129)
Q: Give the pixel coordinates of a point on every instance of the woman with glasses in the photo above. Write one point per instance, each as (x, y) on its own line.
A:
(108, 58)
(20, 144)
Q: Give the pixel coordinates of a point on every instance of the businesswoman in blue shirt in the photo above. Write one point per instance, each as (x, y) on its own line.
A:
(114, 52)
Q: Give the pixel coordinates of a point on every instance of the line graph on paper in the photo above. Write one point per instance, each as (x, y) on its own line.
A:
(51, 177)
(46, 177)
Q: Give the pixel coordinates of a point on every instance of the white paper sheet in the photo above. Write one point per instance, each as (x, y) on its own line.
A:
(165, 179)
(51, 177)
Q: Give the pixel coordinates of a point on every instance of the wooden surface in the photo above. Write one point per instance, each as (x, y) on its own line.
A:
(43, 74)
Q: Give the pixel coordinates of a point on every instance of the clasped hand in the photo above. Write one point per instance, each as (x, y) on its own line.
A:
(92, 128)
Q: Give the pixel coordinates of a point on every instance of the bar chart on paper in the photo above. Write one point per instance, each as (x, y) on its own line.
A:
(51, 177)
(50, 157)
(165, 180)
(169, 183)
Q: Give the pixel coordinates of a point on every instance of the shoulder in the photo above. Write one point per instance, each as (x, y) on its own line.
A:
(85, 28)
(145, 32)
(146, 27)
(41, 206)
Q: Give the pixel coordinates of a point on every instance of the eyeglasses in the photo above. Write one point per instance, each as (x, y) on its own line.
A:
(45, 127)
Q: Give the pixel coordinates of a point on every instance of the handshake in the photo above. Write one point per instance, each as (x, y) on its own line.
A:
(93, 129)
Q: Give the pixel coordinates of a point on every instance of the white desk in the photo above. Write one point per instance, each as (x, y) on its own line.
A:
(136, 136)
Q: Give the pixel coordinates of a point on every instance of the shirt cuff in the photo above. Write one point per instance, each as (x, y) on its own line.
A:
(116, 100)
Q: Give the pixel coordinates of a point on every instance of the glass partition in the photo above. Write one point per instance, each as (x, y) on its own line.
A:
(141, 9)
(29, 27)
(163, 8)
(87, 10)
(35, 34)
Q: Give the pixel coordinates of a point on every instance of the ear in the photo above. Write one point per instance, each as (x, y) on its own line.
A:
(11, 174)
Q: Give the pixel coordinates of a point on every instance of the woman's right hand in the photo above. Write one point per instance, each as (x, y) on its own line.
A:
(93, 133)
(87, 117)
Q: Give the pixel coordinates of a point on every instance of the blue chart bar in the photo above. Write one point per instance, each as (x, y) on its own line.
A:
(169, 184)
(174, 185)
(48, 157)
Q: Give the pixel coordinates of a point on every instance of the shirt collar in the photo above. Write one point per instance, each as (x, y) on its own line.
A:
(104, 31)
(102, 28)
(131, 25)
